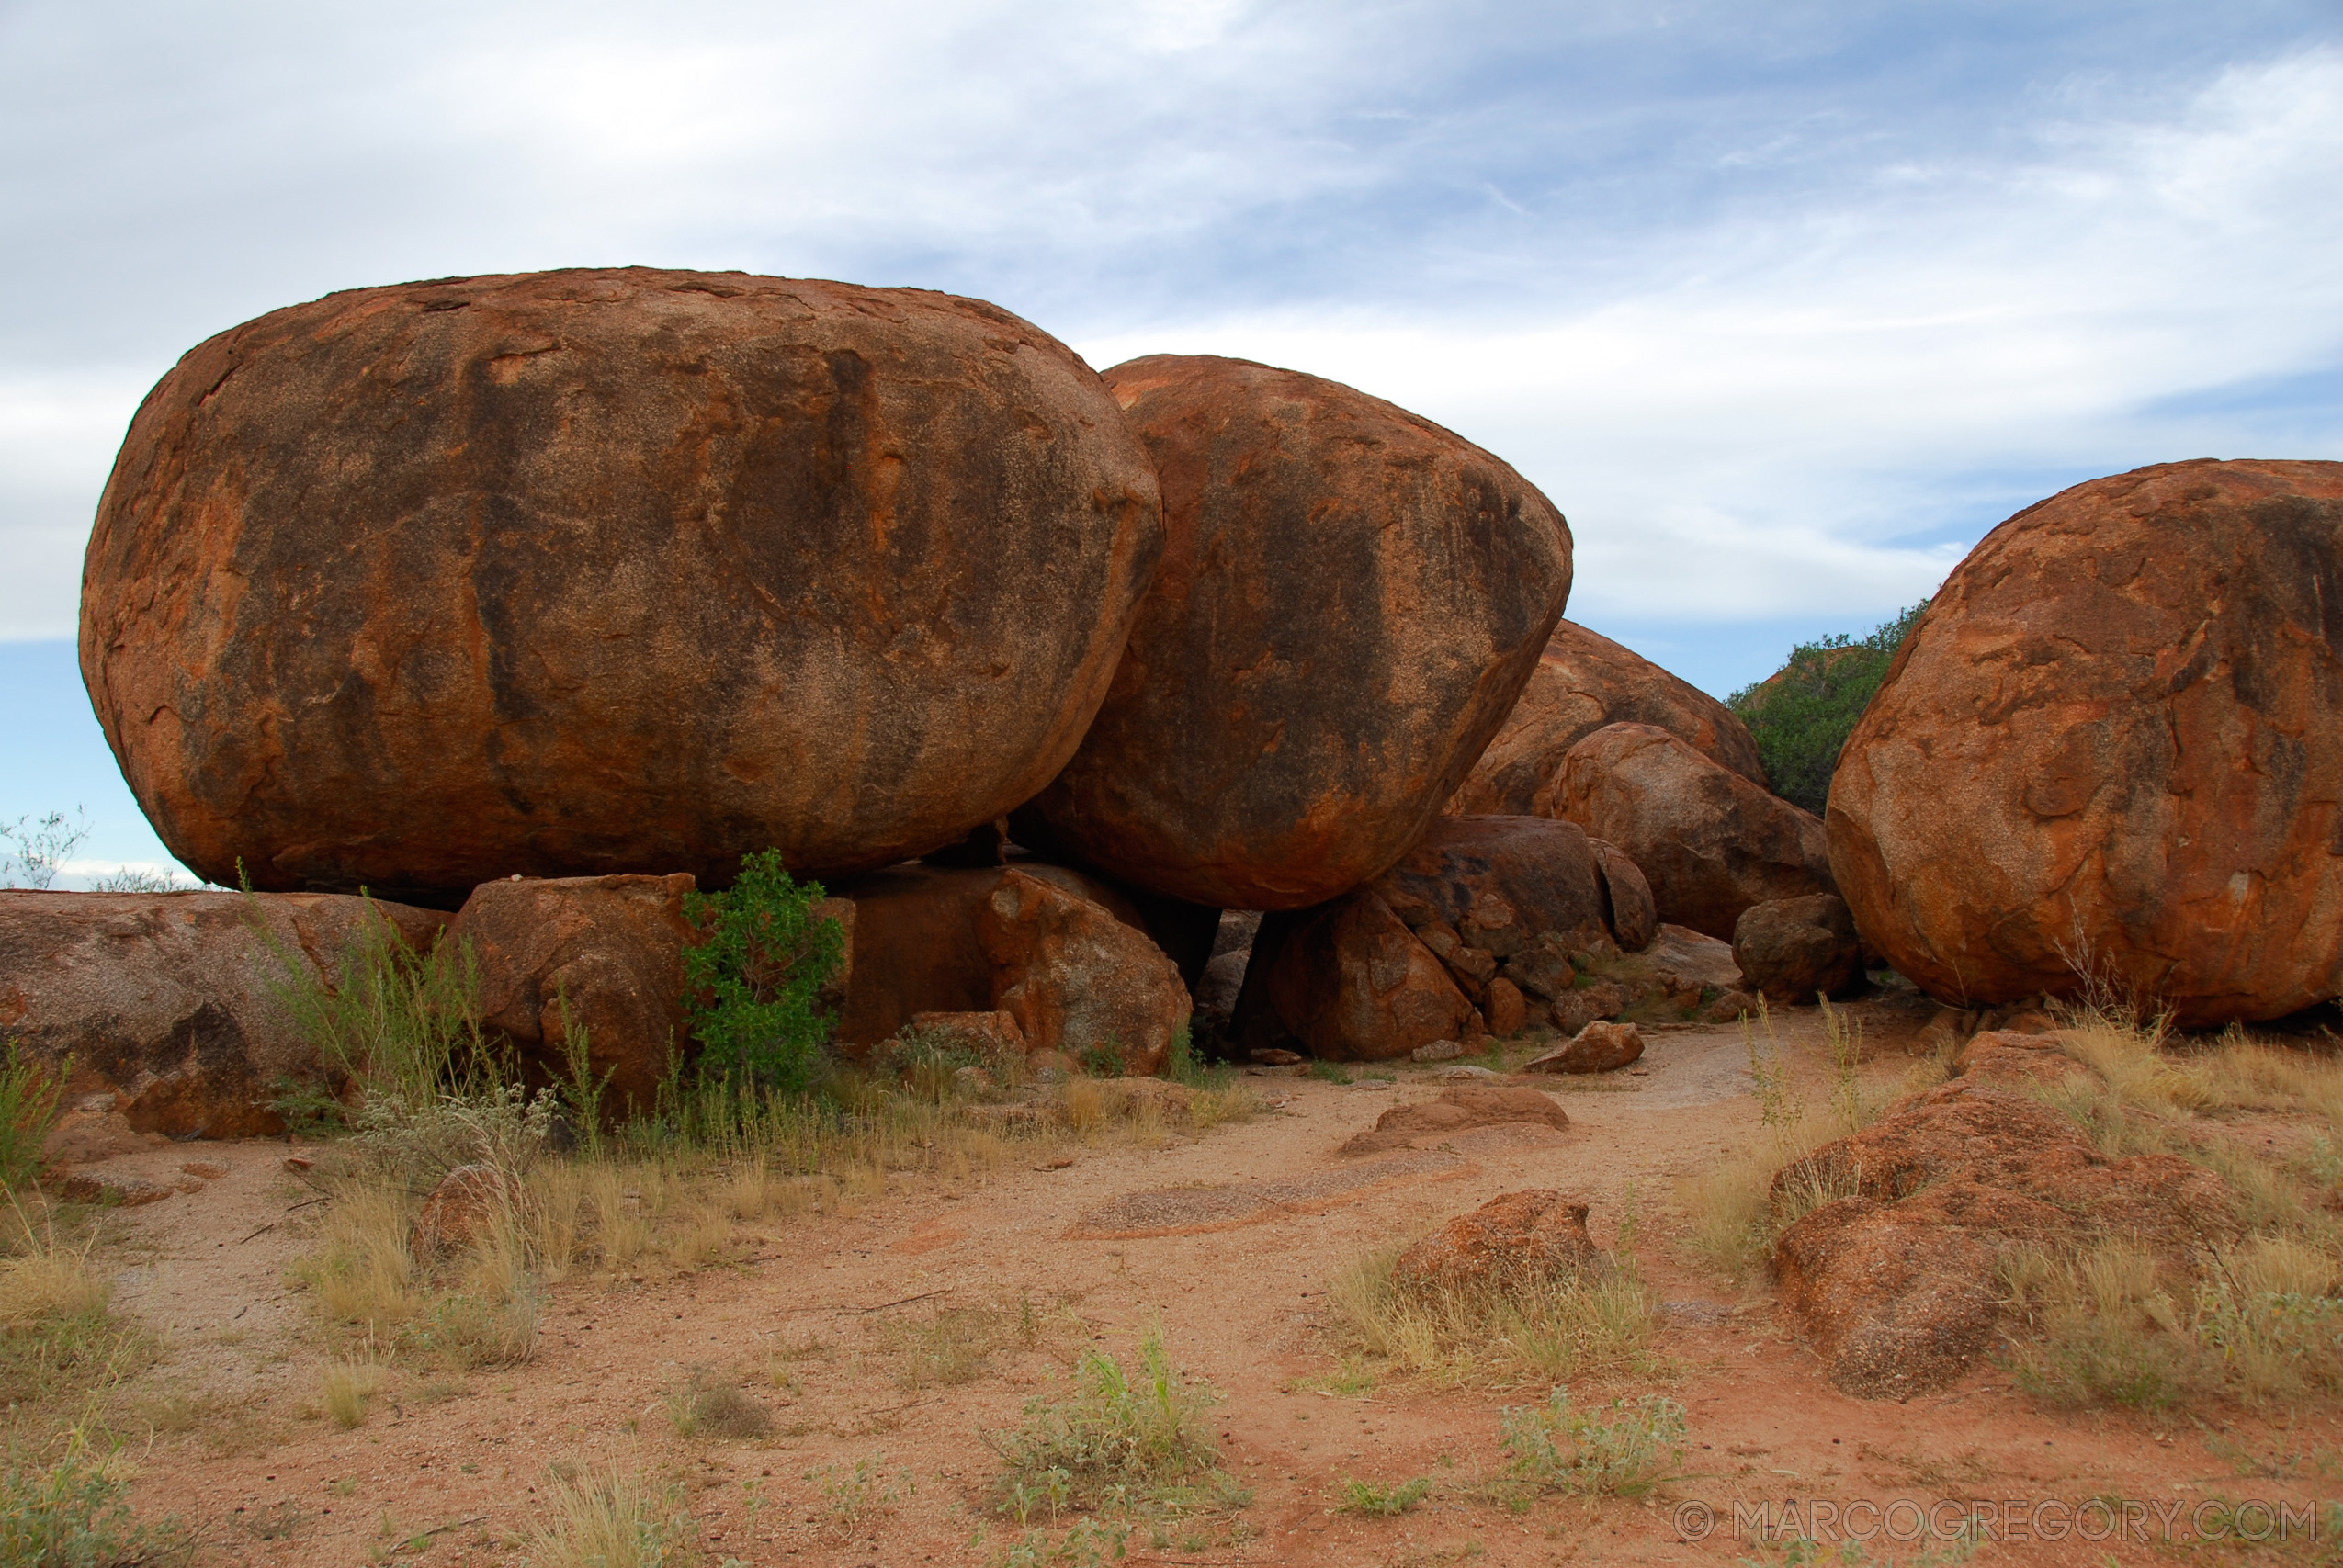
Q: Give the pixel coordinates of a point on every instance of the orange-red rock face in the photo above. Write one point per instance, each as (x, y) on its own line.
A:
(1583, 682)
(581, 573)
(2113, 740)
(1350, 601)
(1710, 842)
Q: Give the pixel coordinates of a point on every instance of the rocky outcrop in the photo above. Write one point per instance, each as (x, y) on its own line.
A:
(416, 587)
(1514, 1238)
(1076, 979)
(1583, 682)
(917, 947)
(1794, 950)
(1711, 842)
(1459, 1110)
(1893, 1283)
(1350, 601)
(2112, 745)
(174, 1003)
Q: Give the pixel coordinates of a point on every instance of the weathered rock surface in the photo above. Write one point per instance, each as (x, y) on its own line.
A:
(1354, 985)
(1351, 598)
(1711, 842)
(1583, 682)
(171, 1000)
(1514, 1237)
(601, 953)
(416, 587)
(989, 1035)
(1893, 1284)
(2113, 742)
(916, 945)
(1458, 1110)
(2015, 1060)
(1600, 1047)
(1792, 950)
(1075, 977)
(1505, 1011)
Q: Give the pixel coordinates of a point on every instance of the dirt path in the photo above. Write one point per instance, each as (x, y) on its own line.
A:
(442, 1472)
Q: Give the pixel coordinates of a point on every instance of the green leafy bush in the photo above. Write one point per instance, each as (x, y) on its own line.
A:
(753, 986)
(1557, 1448)
(1801, 713)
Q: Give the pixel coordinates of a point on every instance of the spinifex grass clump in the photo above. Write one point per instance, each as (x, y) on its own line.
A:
(1120, 1442)
(752, 988)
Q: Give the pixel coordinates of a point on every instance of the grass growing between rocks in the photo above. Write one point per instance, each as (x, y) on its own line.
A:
(1732, 1208)
(1597, 1320)
(2260, 1319)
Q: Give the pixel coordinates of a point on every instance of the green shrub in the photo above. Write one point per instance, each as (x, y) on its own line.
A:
(1801, 713)
(1372, 1500)
(1119, 1442)
(72, 1514)
(752, 985)
(1557, 1449)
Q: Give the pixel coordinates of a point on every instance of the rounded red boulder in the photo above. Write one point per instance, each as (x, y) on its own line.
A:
(583, 572)
(2113, 746)
(1351, 599)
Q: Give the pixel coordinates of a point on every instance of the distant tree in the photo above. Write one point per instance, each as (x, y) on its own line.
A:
(1803, 713)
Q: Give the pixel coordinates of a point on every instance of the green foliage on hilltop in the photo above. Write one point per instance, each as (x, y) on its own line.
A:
(753, 986)
(1802, 715)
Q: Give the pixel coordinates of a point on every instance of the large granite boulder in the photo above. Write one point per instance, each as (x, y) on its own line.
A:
(174, 1004)
(1711, 842)
(604, 571)
(1584, 680)
(2115, 745)
(1349, 981)
(1350, 601)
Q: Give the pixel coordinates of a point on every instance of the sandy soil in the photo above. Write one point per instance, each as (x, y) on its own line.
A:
(449, 1471)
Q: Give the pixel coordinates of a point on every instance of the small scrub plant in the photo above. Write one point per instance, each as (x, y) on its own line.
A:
(853, 1494)
(708, 1406)
(33, 853)
(1120, 1442)
(611, 1518)
(752, 985)
(1104, 1059)
(344, 1389)
(1087, 1543)
(1555, 1447)
(1328, 1072)
(75, 1513)
(1373, 1500)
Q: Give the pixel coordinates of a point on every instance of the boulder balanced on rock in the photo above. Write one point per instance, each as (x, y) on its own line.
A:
(2113, 747)
(1351, 599)
(1584, 680)
(609, 571)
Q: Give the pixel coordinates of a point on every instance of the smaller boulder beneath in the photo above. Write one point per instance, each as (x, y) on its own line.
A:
(1518, 1237)
(1354, 984)
(1598, 1048)
(1792, 950)
(1075, 978)
(459, 1212)
(1582, 1006)
(988, 1034)
(1458, 1110)
(1505, 1010)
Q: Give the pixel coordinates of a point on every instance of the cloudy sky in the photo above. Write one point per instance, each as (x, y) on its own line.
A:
(1784, 305)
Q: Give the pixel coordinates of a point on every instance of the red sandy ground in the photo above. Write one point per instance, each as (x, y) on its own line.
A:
(268, 1481)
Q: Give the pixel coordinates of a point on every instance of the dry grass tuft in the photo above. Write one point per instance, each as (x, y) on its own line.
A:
(345, 1388)
(612, 1518)
(1598, 1319)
